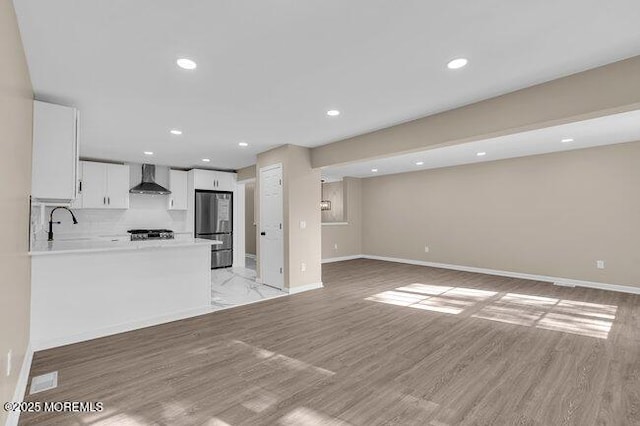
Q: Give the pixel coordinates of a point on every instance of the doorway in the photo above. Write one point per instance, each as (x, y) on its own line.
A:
(250, 225)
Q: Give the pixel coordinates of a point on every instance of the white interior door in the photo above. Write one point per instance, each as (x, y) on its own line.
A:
(271, 226)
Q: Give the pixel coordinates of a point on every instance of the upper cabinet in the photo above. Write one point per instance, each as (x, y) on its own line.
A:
(55, 152)
(178, 187)
(214, 181)
(104, 186)
(118, 186)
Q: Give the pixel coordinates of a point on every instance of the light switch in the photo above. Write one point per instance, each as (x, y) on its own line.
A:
(303, 224)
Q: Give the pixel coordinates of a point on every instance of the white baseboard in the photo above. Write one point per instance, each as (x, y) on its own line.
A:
(565, 282)
(300, 289)
(342, 258)
(120, 328)
(21, 386)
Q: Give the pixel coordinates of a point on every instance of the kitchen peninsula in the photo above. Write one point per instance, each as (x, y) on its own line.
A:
(84, 289)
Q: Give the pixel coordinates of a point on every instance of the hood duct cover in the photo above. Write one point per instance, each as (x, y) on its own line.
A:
(148, 184)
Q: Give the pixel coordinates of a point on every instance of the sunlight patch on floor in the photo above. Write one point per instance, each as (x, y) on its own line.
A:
(260, 403)
(448, 300)
(575, 325)
(303, 416)
(528, 300)
(277, 360)
(567, 316)
(432, 290)
(548, 313)
(510, 315)
(442, 304)
(216, 422)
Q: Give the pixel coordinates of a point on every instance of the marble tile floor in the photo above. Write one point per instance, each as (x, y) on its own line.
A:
(238, 286)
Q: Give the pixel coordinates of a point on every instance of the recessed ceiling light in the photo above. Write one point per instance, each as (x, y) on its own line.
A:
(148, 153)
(333, 113)
(374, 170)
(565, 140)
(457, 63)
(187, 64)
(243, 144)
(176, 132)
(481, 154)
(206, 160)
(419, 163)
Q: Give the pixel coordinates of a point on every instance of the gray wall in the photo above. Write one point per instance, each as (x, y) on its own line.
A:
(16, 106)
(553, 214)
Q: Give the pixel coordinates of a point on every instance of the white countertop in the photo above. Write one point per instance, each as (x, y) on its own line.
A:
(96, 245)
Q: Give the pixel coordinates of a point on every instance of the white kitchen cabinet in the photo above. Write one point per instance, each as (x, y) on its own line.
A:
(104, 186)
(117, 186)
(178, 187)
(55, 152)
(93, 185)
(204, 179)
(214, 180)
(226, 181)
(77, 203)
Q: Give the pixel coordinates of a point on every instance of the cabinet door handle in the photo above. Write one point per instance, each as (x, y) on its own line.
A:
(104, 200)
(80, 187)
(109, 200)
(172, 202)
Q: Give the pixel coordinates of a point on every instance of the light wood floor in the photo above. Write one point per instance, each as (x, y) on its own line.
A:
(383, 343)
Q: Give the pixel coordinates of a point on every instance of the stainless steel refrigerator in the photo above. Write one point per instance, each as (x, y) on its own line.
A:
(214, 221)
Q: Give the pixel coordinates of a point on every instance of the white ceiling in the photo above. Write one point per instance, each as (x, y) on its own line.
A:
(269, 69)
(612, 129)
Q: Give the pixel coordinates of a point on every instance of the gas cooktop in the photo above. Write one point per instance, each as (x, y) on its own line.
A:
(151, 234)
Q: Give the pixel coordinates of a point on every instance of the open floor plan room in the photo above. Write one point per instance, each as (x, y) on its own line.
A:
(383, 343)
(321, 212)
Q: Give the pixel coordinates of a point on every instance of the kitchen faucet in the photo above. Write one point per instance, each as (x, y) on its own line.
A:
(51, 222)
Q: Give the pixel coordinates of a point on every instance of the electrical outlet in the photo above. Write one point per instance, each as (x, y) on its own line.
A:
(9, 354)
(335, 246)
(303, 267)
(426, 249)
(600, 264)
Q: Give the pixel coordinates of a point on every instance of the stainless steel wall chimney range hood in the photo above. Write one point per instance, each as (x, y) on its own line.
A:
(148, 184)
